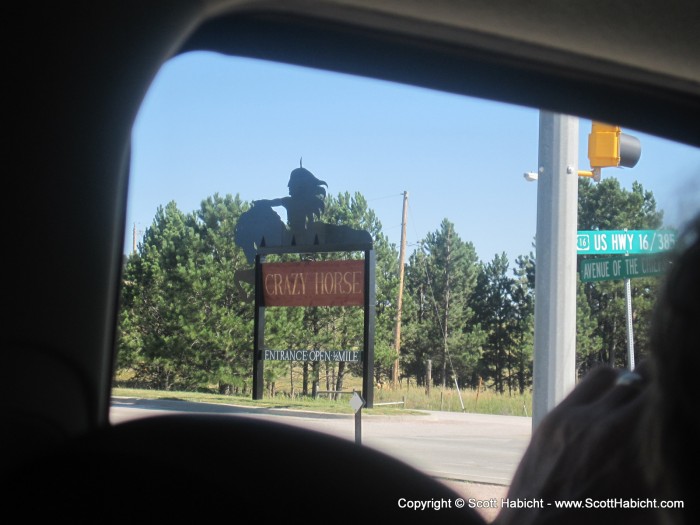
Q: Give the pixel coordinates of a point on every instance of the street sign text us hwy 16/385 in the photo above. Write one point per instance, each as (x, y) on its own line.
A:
(624, 241)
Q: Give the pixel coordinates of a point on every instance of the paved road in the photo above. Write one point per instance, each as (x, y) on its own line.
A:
(452, 446)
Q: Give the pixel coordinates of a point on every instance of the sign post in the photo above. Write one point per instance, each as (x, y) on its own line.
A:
(356, 402)
(651, 244)
(630, 331)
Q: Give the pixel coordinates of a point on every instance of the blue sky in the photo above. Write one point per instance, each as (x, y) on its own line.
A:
(215, 124)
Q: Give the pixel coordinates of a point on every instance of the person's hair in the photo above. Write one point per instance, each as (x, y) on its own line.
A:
(675, 363)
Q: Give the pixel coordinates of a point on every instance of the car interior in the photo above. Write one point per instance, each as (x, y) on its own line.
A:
(78, 75)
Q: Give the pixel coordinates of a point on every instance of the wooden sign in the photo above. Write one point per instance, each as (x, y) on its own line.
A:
(314, 283)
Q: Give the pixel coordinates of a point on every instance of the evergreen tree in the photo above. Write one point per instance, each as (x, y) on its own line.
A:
(225, 322)
(183, 324)
(440, 278)
(153, 310)
(344, 325)
(495, 310)
(524, 319)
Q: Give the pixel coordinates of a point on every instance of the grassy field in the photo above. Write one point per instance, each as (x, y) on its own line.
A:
(409, 399)
(451, 400)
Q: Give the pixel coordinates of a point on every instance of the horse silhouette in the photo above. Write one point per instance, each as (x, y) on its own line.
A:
(260, 226)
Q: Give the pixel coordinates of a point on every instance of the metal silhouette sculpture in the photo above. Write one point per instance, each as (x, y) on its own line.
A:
(261, 231)
(261, 226)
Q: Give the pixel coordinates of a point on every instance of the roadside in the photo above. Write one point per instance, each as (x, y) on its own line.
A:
(386, 401)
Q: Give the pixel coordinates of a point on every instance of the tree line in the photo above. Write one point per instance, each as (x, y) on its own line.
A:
(184, 323)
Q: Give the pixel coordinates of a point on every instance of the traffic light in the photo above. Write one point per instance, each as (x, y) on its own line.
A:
(609, 147)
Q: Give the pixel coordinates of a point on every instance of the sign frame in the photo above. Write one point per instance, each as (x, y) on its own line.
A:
(370, 262)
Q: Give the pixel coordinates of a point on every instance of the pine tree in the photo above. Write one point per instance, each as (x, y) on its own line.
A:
(439, 280)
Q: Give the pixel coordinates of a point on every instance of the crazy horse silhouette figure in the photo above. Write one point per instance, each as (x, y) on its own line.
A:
(261, 225)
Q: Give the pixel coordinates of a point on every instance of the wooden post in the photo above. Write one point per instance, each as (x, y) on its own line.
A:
(428, 377)
(402, 255)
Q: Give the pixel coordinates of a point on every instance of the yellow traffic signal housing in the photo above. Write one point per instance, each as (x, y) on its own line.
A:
(609, 147)
(604, 145)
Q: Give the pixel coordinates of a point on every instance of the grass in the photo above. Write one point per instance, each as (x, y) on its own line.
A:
(464, 400)
(321, 404)
(413, 398)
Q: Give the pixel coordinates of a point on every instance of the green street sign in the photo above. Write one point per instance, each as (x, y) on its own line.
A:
(624, 241)
(611, 268)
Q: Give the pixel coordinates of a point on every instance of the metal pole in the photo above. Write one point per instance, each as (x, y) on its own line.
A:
(369, 323)
(258, 331)
(358, 427)
(555, 278)
(630, 332)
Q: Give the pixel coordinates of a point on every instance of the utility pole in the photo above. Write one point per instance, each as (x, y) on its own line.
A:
(447, 312)
(133, 240)
(555, 278)
(402, 256)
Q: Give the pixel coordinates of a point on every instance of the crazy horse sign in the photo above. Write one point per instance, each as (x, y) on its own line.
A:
(314, 283)
(261, 232)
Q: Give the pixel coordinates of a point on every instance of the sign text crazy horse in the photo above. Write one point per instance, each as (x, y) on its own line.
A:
(314, 283)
